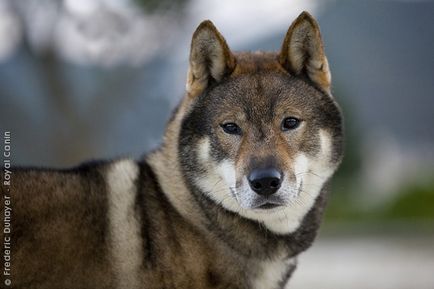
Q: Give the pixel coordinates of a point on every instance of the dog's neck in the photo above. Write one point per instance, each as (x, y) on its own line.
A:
(165, 163)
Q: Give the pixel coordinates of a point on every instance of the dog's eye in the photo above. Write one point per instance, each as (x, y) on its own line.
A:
(231, 128)
(290, 123)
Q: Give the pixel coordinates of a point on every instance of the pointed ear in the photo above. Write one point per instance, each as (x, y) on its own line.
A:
(210, 58)
(303, 51)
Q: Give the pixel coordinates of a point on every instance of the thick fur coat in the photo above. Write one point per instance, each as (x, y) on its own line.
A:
(192, 214)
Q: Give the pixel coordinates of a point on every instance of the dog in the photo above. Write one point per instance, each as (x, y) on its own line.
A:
(234, 193)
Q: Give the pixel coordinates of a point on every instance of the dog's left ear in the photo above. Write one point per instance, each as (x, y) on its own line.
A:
(210, 58)
(303, 51)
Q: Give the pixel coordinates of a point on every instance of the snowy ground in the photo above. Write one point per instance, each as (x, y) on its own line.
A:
(367, 263)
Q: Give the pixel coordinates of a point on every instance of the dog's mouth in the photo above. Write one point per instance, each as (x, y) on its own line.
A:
(268, 203)
(257, 202)
(268, 206)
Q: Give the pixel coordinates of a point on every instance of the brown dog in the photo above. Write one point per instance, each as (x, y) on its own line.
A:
(233, 195)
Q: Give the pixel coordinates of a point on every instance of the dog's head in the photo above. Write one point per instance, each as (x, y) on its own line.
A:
(262, 133)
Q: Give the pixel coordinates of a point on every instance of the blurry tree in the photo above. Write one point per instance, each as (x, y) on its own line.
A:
(112, 44)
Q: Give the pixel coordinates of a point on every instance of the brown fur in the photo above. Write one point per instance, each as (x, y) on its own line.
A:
(58, 233)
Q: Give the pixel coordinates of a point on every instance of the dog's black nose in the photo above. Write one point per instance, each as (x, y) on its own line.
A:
(265, 181)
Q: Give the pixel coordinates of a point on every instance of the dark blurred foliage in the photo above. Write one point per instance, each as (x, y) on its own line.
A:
(344, 179)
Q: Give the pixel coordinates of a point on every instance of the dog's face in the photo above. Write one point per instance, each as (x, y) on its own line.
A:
(262, 136)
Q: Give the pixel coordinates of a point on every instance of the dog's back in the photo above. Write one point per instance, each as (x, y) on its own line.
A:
(59, 228)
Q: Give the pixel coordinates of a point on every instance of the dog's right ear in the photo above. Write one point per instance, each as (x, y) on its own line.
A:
(210, 58)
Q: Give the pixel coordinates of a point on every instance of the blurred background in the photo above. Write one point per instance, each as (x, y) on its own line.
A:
(91, 79)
